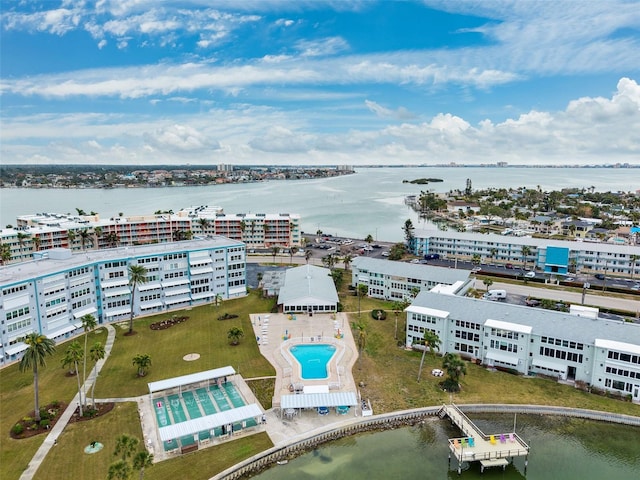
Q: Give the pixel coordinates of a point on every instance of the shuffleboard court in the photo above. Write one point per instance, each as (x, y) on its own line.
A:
(160, 407)
(220, 399)
(176, 409)
(234, 395)
(205, 401)
(192, 405)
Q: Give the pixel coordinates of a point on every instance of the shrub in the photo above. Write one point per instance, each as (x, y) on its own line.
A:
(44, 423)
(227, 316)
(17, 429)
(55, 404)
(27, 419)
(378, 314)
(450, 385)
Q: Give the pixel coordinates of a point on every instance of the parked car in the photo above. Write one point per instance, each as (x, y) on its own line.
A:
(476, 269)
(531, 274)
(509, 266)
(600, 276)
(532, 302)
(432, 256)
(385, 254)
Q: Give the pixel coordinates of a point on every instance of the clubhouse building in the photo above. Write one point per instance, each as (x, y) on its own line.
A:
(602, 354)
(52, 294)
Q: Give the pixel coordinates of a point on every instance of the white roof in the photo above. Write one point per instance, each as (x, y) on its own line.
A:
(86, 311)
(619, 346)
(502, 357)
(114, 283)
(308, 285)
(209, 422)
(549, 365)
(117, 292)
(17, 348)
(514, 327)
(117, 311)
(189, 379)
(312, 400)
(427, 311)
(173, 283)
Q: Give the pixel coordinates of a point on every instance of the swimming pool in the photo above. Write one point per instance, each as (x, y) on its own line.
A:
(313, 359)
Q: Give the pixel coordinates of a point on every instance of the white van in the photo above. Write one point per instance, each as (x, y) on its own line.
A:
(495, 295)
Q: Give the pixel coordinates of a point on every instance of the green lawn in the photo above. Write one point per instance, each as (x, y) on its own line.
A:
(388, 372)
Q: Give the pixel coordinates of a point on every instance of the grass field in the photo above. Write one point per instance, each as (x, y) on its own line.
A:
(387, 371)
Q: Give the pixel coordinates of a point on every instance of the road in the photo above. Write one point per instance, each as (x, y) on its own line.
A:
(602, 301)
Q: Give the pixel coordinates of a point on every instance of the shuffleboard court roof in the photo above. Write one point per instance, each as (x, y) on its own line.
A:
(189, 379)
(202, 424)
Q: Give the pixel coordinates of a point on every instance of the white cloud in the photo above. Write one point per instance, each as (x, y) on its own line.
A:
(179, 138)
(321, 47)
(400, 113)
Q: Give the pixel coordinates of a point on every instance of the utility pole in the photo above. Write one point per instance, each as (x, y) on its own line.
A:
(584, 290)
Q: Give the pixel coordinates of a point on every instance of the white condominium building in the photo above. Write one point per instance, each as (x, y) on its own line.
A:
(51, 295)
(550, 256)
(604, 354)
(389, 280)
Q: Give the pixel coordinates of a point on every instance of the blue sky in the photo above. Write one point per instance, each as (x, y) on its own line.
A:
(148, 82)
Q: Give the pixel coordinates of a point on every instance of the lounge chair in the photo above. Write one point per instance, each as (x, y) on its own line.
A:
(503, 439)
(456, 443)
(472, 442)
(492, 439)
(512, 438)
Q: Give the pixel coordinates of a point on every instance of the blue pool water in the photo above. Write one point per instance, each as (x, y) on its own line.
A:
(313, 359)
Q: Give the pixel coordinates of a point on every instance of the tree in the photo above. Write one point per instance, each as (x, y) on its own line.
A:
(74, 355)
(112, 239)
(432, 342)
(5, 253)
(21, 238)
(137, 276)
(274, 251)
(85, 237)
(217, 299)
(235, 334)
(455, 368)
(361, 338)
(37, 241)
(307, 255)
(475, 259)
(97, 233)
(204, 223)
(415, 291)
(97, 352)
(487, 282)
(397, 308)
(143, 362)
(347, 261)
(408, 233)
(633, 259)
(526, 251)
(292, 252)
(71, 237)
(119, 470)
(38, 348)
(362, 291)
(89, 322)
(141, 461)
(125, 446)
(369, 239)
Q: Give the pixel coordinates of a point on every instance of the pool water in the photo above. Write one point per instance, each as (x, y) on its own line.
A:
(313, 359)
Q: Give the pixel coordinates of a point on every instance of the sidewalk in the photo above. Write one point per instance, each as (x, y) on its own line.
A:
(57, 429)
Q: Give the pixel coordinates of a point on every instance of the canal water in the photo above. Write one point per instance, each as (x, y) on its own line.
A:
(561, 448)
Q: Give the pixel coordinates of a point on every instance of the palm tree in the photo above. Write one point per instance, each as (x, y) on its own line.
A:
(431, 342)
(369, 239)
(97, 233)
(274, 251)
(89, 322)
(125, 446)
(80, 211)
(526, 251)
(141, 461)
(137, 276)
(455, 367)
(74, 355)
(396, 306)
(235, 334)
(119, 470)
(85, 237)
(71, 236)
(347, 261)
(204, 223)
(361, 339)
(243, 227)
(307, 255)
(5, 253)
(362, 291)
(112, 239)
(38, 348)
(217, 299)
(69, 360)
(21, 238)
(143, 362)
(292, 252)
(487, 282)
(97, 352)
(415, 291)
(37, 241)
(633, 260)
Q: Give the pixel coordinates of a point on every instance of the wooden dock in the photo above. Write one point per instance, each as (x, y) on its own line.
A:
(475, 446)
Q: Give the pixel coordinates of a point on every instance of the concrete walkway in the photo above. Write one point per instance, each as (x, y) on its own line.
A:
(57, 429)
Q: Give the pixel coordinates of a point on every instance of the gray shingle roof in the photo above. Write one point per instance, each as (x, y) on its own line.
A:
(411, 270)
(308, 283)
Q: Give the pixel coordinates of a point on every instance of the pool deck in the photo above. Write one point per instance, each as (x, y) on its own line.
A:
(302, 329)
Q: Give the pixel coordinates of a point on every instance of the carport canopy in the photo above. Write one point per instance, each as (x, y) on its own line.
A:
(190, 379)
(313, 400)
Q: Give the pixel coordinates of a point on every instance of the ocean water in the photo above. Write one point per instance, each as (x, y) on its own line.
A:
(370, 202)
(560, 448)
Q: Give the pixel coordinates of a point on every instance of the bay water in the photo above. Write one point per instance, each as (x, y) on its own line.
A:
(369, 202)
